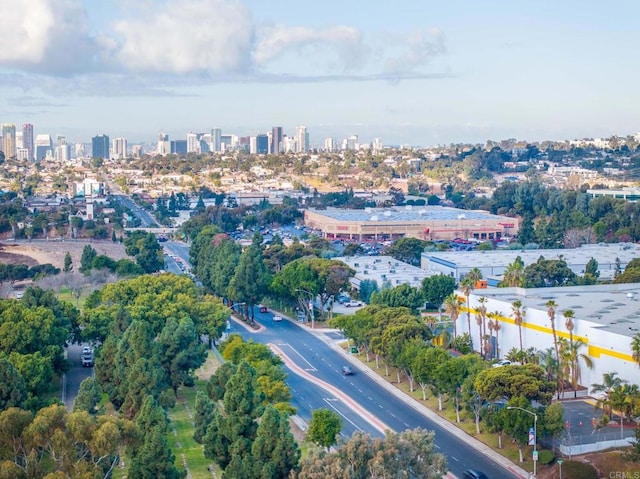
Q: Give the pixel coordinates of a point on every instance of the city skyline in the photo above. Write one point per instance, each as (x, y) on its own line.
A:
(420, 73)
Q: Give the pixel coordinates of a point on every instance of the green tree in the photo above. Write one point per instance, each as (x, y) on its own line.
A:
(68, 263)
(436, 288)
(204, 414)
(610, 381)
(528, 381)
(249, 282)
(155, 459)
(408, 250)
(89, 396)
(13, 390)
(513, 274)
(591, 273)
(324, 427)
(526, 233)
(274, 452)
(635, 348)
(367, 288)
(403, 295)
(86, 260)
(517, 422)
(146, 249)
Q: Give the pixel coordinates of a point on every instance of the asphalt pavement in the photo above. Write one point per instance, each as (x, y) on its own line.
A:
(322, 359)
(75, 375)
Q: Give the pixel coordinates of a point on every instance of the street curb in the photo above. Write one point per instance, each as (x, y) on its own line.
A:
(409, 401)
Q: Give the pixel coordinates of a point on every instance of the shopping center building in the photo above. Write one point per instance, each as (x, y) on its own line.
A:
(423, 222)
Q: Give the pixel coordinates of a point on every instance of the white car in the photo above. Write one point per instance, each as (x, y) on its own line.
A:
(504, 362)
(277, 317)
(352, 304)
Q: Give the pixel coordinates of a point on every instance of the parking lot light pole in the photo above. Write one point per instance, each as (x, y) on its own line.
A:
(535, 434)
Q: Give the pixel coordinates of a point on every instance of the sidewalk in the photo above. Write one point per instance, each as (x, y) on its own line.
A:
(417, 406)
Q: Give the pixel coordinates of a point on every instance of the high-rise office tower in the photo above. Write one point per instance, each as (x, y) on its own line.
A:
(100, 146)
(276, 140)
(119, 148)
(9, 140)
(262, 144)
(27, 140)
(377, 145)
(352, 143)
(329, 144)
(193, 144)
(216, 139)
(44, 146)
(302, 139)
(19, 142)
(164, 146)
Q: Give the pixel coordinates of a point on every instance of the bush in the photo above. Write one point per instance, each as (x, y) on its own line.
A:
(578, 470)
(546, 456)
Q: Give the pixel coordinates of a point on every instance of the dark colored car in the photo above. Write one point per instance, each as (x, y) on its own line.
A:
(347, 370)
(474, 474)
(264, 309)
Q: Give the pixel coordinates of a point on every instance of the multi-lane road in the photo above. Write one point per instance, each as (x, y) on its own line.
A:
(316, 381)
(322, 365)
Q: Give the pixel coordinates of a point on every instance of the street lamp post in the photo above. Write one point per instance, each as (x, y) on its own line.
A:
(535, 434)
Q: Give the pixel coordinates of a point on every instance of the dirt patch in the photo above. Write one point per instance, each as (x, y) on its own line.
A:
(609, 464)
(32, 253)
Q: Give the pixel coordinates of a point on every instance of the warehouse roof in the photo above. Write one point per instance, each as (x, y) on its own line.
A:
(406, 213)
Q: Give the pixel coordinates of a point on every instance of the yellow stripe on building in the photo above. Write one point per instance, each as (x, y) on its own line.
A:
(597, 351)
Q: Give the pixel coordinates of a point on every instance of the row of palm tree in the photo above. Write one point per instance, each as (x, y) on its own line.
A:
(617, 394)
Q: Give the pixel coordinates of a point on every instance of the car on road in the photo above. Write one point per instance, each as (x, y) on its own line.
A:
(264, 309)
(352, 304)
(277, 317)
(474, 474)
(87, 357)
(347, 370)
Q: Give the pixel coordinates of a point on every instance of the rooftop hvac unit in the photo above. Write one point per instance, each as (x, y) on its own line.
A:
(392, 271)
(366, 271)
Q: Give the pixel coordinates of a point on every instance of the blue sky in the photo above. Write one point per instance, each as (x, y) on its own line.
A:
(418, 72)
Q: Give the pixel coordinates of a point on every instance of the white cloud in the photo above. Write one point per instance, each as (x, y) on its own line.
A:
(273, 41)
(411, 51)
(188, 36)
(49, 36)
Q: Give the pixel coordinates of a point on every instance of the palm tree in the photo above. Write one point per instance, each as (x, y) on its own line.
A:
(518, 318)
(568, 322)
(609, 382)
(513, 274)
(479, 320)
(571, 356)
(467, 287)
(483, 300)
(635, 348)
(548, 362)
(452, 307)
(624, 398)
(551, 312)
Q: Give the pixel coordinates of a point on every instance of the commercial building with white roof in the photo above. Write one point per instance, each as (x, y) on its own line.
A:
(424, 222)
(606, 318)
(383, 270)
(492, 264)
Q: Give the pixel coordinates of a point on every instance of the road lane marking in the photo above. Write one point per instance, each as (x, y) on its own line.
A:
(347, 400)
(339, 412)
(311, 367)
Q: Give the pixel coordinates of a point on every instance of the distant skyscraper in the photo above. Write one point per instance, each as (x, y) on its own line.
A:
(179, 147)
(22, 154)
(100, 146)
(9, 140)
(352, 143)
(216, 139)
(276, 140)
(193, 144)
(164, 146)
(302, 139)
(329, 144)
(44, 146)
(119, 148)
(377, 145)
(262, 144)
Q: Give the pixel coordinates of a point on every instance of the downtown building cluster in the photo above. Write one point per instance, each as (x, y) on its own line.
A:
(23, 145)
